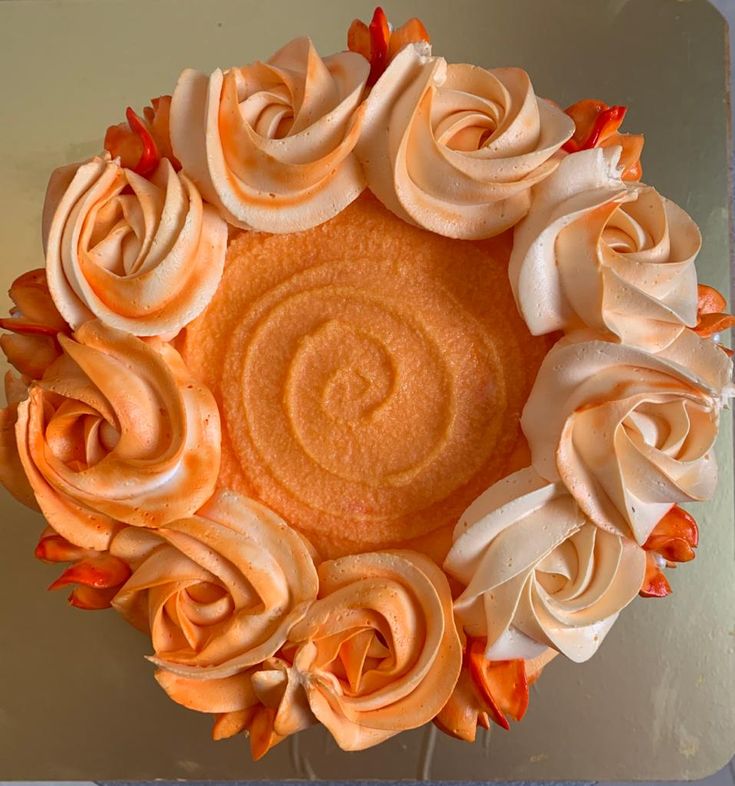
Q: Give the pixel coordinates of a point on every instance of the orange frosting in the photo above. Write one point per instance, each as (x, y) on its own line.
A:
(370, 376)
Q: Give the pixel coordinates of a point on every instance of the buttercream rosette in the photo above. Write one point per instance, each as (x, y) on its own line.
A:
(456, 148)
(116, 431)
(272, 144)
(219, 590)
(596, 251)
(143, 255)
(630, 433)
(538, 573)
(378, 653)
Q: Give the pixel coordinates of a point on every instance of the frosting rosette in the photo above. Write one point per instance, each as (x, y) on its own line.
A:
(594, 251)
(456, 148)
(218, 591)
(538, 573)
(145, 256)
(378, 652)
(271, 144)
(117, 431)
(630, 433)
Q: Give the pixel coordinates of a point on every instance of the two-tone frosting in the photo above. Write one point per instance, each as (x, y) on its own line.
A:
(596, 251)
(456, 148)
(117, 431)
(629, 433)
(378, 652)
(538, 573)
(218, 591)
(143, 255)
(272, 144)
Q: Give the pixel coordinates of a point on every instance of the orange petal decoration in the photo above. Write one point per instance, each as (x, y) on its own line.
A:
(91, 599)
(261, 733)
(230, 724)
(34, 312)
(597, 125)
(655, 584)
(675, 537)
(36, 322)
(133, 145)
(378, 44)
(462, 714)
(256, 721)
(502, 684)
(99, 578)
(158, 118)
(711, 315)
(53, 548)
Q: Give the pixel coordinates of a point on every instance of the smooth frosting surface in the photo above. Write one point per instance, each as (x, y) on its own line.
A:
(145, 256)
(271, 144)
(630, 433)
(117, 430)
(371, 376)
(598, 252)
(538, 573)
(456, 148)
(218, 591)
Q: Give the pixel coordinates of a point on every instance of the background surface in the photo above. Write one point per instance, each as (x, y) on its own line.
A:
(76, 698)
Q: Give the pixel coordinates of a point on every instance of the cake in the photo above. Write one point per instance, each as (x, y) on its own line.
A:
(364, 385)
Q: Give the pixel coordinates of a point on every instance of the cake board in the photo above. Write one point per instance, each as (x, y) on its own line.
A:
(77, 699)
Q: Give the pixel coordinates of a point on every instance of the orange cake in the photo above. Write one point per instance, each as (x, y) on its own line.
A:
(363, 385)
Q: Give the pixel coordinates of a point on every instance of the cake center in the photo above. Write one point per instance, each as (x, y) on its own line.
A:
(370, 375)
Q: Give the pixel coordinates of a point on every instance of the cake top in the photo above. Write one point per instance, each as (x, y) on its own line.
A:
(298, 279)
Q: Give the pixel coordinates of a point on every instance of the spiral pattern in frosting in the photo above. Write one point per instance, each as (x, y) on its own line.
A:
(222, 592)
(371, 378)
(117, 430)
(538, 573)
(455, 148)
(379, 652)
(629, 433)
(596, 251)
(144, 256)
(271, 144)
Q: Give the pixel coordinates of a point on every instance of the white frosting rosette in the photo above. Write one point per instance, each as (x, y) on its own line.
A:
(596, 251)
(144, 256)
(456, 148)
(628, 432)
(538, 573)
(271, 144)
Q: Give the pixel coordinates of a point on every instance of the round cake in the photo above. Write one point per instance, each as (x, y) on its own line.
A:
(364, 385)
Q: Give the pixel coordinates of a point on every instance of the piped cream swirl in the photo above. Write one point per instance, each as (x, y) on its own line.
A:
(378, 653)
(599, 252)
(145, 256)
(456, 148)
(538, 573)
(271, 144)
(218, 591)
(116, 431)
(628, 432)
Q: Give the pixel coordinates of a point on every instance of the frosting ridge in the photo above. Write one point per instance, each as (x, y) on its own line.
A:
(456, 148)
(538, 573)
(630, 433)
(595, 251)
(271, 144)
(117, 431)
(145, 256)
